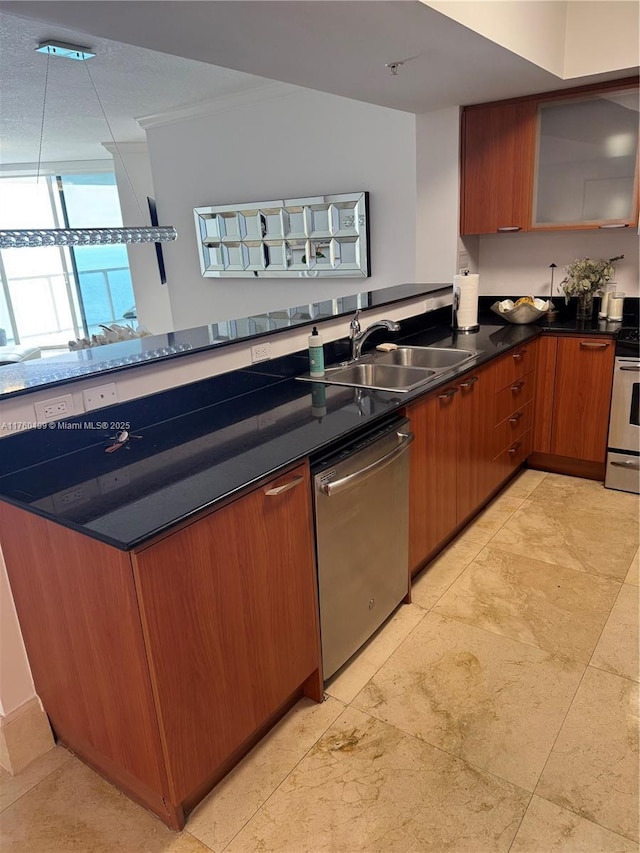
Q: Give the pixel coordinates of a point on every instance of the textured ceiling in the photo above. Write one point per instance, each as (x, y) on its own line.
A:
(336, 46)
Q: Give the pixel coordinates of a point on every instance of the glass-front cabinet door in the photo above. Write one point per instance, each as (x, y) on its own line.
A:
(585, 171)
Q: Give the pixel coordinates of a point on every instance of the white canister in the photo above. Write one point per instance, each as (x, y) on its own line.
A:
(615, 309)
(607, 290)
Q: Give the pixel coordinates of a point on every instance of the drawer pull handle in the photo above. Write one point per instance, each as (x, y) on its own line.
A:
(518, 355)
(509, 228)
(448, 394)
(469, 382)
(588, 345)
(628, 463)
(517, 387)
(278, 490)
(515, 448)
(615, 225)
(515, 418)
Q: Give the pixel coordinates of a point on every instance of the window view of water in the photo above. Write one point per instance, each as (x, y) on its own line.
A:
(50, 296)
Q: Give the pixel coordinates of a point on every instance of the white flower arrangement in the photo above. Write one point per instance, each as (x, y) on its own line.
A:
(587, 275)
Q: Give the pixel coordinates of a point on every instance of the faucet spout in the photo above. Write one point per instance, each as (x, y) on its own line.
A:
(358, 337)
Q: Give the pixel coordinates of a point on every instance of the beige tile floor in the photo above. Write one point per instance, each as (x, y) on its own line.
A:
(497, 712)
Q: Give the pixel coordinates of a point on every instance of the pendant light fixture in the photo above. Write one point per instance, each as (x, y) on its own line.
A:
(33, 237)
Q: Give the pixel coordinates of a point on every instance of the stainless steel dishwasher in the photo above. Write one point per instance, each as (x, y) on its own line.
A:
(361, 501)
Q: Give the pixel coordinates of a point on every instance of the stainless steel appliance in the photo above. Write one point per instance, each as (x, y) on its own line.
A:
(623, 454)
(361, 501)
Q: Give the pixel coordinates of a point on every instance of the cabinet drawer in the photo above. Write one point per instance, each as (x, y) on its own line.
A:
(515, 364)
(513, 427)
(514, 397)
(513, 456)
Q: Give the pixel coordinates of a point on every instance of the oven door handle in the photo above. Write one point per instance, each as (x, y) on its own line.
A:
(351, 479)
(634, 367)
(628, 463)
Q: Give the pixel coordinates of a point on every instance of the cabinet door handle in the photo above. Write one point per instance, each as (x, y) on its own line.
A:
(471, 381)
(588, 345)
(515, 448)
(518, 355)
(448, 394)
(517, 386)
(509, 228)
(278, 490)
(615, 225)
(515, 418)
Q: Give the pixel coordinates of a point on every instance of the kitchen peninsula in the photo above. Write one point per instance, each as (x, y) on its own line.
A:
(167, 591)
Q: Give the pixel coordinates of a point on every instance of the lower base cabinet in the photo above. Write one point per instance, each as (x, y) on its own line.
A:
(159, 667)
(573, 396)
(469, 438)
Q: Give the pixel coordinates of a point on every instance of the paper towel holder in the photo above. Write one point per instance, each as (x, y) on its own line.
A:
(454, 312)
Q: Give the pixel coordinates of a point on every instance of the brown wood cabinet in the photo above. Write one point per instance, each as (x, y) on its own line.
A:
(470, 437)
(573, 396)
(451, 460)
(497, 167)
(542, 162)
(161, 667)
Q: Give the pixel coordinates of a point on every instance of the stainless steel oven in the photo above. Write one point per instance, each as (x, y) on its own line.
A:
(623, 453)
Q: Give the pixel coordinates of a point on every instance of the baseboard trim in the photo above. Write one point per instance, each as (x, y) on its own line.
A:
(567, 465)
(25, 734)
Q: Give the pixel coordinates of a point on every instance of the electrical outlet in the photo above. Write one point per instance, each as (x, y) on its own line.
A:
(65, 500)
(55, 408)
(260, 352)
(101, 395)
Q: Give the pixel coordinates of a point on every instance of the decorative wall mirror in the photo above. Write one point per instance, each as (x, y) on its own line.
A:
(288, 238)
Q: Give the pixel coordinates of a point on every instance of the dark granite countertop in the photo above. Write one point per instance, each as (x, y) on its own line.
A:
(204, 442)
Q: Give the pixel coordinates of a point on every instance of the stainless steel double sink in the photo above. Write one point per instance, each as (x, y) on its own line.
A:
(401, 369)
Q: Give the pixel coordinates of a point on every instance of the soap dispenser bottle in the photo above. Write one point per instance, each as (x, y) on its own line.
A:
(316, 354)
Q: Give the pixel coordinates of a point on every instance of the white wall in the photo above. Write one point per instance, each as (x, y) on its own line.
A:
(601, 36)
(518, 264)
(438, 182)
(16, 684)
(133, 177)
(302, 143)
(534, 30)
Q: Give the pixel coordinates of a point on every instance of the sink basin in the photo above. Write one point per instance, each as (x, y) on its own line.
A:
(435, 358)
(381, 377)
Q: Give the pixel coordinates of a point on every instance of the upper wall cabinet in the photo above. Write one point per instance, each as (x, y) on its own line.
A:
(551, 162)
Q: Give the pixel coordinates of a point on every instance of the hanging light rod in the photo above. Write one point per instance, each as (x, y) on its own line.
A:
(34, 238)
(67, 51)
(31, 238)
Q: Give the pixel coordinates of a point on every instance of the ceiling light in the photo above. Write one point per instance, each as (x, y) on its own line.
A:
(32, 238)
(68, 51)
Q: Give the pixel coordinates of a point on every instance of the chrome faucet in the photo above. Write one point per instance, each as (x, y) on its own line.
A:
(358, 337)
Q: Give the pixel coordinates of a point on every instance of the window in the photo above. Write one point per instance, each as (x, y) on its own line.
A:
(52, 295)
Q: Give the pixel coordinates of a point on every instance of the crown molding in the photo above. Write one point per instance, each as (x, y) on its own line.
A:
(216, 105)
(128, 147)
(57, 167)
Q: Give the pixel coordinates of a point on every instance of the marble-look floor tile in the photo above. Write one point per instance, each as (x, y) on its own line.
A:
(593, 767)
(547, 828)
(587, 496)
(438, 576)
(617, 649)
(13, 787)
(240, 794)
(490, 520)
(74, 809)
(525, 482)
(353, 676)
(556, 609)
(496, 703)
(633, 575)
(597, 543)
(368, 786)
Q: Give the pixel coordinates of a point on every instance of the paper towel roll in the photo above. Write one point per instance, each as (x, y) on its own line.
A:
(465, 294)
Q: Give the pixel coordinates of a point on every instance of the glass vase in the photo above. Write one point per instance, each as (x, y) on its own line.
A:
(585, 306)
